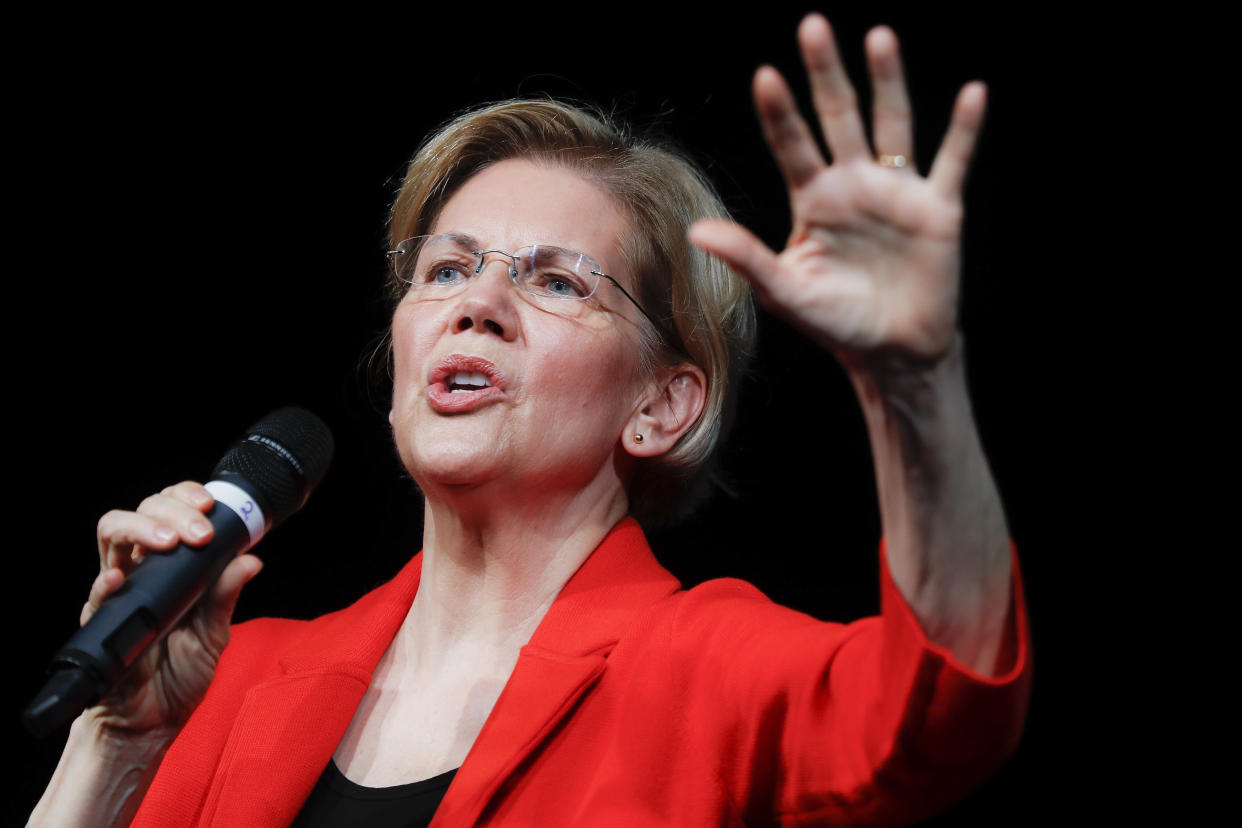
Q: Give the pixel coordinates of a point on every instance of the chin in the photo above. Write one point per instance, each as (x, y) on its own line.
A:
(444, 452)
(450, 465)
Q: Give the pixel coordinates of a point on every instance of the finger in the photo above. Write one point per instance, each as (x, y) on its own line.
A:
(948, 171)
(787, 134)
(192, 494)
(173, 513)
(228, 588)
(834, 96)
(160, 522)
(124, 539)
(740, 249)
(121, 535)
(893, 125)
(107, 582)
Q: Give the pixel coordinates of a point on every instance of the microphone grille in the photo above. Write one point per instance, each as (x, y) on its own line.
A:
(283, 456)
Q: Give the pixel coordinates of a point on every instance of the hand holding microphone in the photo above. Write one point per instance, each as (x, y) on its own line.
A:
(132, 655)
(166, 683)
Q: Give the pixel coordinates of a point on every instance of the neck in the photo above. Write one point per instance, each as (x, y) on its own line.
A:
(493, 565)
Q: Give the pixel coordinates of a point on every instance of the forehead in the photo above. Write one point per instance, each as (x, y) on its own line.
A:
(516, 203)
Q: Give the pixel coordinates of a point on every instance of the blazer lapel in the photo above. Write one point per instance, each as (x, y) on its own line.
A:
(288, 727)
(565, 657)
(291, 725)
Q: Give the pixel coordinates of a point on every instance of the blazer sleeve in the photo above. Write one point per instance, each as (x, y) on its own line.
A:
(863, 723)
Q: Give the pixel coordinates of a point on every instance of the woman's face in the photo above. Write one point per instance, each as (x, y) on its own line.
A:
(562, 386)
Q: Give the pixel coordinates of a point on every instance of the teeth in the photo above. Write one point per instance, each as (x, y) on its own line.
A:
(467, 381)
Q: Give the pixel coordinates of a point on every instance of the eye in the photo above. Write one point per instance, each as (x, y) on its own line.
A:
(443, 272)
(447, 276)
(558, 284)
(561, 287)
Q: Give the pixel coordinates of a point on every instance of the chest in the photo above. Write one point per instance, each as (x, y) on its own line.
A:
(411, 726)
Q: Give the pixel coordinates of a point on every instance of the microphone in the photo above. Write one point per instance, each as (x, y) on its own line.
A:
(263, 479)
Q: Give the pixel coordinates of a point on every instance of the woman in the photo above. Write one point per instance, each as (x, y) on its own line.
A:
(564, 358)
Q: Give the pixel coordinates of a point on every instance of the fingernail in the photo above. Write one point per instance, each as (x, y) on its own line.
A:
(200, 497)
(164, 535)
(199, 529)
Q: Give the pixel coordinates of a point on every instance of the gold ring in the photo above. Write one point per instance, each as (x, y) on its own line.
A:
(895, 161)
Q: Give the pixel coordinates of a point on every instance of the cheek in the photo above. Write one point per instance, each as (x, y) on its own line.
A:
(593, 380)
(405, 346)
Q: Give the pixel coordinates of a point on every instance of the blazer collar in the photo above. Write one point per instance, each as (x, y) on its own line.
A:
(564, 658)
(354, 639)
(302, 714)
(618, 580)
(326, 675)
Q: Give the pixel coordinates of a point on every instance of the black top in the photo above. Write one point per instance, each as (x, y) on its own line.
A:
(336, 802)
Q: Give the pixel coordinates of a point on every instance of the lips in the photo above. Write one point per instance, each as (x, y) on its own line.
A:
(460, 383)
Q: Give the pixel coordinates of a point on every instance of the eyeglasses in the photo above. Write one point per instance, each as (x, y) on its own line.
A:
(441, 265)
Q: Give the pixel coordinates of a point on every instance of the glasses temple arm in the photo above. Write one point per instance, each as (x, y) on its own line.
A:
(642, 310)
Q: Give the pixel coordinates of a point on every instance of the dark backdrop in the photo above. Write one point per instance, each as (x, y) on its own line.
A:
(200, 240)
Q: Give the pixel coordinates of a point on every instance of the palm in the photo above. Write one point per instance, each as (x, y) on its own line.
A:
(173, 676)
(872, 263)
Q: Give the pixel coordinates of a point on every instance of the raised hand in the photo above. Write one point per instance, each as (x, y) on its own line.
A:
(872, 263)
(166, 686)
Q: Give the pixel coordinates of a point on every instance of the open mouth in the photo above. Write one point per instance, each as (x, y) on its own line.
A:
(465, 381)
(460, 383)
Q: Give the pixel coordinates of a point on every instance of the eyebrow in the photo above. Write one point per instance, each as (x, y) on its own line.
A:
(470, 242)
(464, 240)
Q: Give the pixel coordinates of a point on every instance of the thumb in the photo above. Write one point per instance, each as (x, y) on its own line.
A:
(740, 249)
(228, 588)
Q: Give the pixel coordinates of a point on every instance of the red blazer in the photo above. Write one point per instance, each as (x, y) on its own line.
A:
(635, 703)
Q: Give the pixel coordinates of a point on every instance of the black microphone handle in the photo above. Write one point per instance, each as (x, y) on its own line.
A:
(262, 479)
(165, 586)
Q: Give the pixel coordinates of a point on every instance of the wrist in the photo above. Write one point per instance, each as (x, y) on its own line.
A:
(97, 732)
(892, 371)
(927, 454)
(904, 392)
(103, 774)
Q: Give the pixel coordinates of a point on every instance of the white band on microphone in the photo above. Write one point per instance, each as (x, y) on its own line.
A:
(242, 504)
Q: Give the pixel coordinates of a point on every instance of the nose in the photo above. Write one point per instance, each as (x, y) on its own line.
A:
(487, 304)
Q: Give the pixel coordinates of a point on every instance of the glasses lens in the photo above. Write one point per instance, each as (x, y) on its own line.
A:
(441, 263)
(555, 273)
(433, 261)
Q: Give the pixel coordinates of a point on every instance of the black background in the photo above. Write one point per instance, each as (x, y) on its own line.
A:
(201, 225)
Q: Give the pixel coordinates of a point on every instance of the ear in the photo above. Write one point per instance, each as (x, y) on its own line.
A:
(673, 404)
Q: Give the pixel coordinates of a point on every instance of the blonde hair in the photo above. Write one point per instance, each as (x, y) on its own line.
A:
(706, 310)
